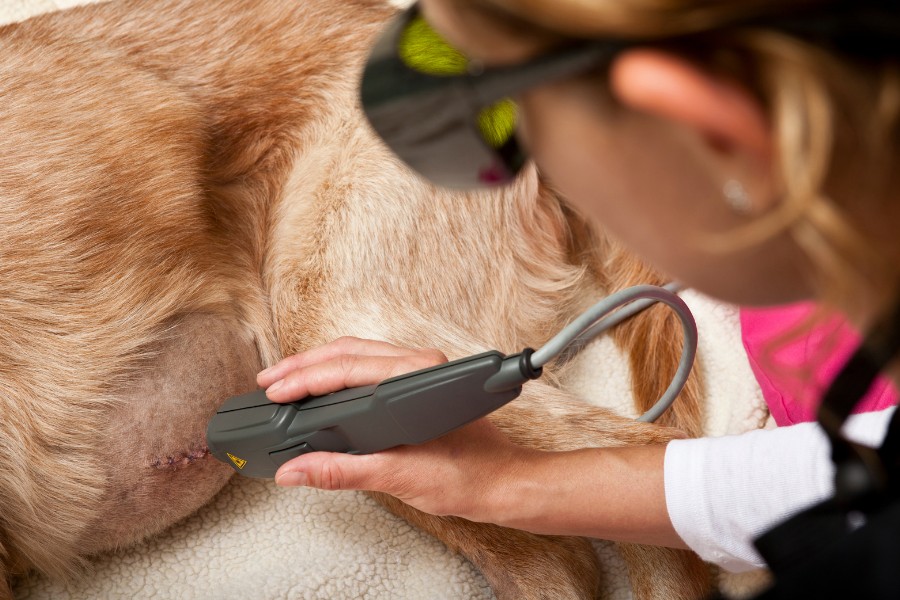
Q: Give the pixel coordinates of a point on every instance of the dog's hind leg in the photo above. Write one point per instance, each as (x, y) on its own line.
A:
(518, 565)
(524, 565)
(666, 573)
(547, 418)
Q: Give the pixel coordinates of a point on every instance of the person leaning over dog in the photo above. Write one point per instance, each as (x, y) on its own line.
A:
(753, 164)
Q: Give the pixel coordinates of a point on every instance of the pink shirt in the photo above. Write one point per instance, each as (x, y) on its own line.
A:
(794, 375)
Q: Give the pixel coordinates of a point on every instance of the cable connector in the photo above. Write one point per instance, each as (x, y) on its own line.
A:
(514, 371)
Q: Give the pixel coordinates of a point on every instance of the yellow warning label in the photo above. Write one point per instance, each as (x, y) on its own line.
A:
(238, 462)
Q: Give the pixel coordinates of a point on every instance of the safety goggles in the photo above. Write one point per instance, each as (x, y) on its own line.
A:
(452, 120)
(449, 118)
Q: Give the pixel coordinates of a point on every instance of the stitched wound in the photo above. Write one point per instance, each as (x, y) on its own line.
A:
(179, 461)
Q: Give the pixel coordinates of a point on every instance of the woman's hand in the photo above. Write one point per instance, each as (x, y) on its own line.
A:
(462, 473)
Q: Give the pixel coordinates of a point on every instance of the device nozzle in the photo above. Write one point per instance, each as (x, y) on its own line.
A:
(514, 371)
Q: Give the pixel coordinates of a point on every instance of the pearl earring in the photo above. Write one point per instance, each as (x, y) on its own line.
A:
(736, 196)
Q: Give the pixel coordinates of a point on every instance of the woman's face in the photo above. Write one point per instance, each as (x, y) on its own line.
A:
(658, 188)
(653, 182)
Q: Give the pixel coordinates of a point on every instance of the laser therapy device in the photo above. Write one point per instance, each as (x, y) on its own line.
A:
(256, 436)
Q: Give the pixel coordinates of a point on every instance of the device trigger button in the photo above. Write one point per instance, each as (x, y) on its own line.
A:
(282, 456)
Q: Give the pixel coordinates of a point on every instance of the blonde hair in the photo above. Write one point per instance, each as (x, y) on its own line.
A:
(834, 121)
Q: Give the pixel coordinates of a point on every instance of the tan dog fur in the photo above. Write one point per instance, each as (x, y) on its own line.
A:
(187, 193)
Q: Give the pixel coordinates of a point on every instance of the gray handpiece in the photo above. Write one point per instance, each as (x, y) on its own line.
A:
(256, 436)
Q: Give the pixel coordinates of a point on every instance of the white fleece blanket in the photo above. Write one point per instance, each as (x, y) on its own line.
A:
(255, 540)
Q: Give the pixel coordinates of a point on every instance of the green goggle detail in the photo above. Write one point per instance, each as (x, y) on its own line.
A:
(421, 48)
(497, 123)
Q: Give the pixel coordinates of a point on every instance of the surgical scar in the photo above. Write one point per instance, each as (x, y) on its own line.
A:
(179, 461)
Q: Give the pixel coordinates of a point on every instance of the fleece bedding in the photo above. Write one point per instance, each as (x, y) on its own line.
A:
(255, 540)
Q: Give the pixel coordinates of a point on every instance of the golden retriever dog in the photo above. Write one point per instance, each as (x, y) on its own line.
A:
(188, 192)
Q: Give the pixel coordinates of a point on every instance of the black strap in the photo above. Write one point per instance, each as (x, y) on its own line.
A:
(878, 348)
(862, 563)
(860, 470)
(803, 537)
(867, 481)
(796, 540)
(889, 453)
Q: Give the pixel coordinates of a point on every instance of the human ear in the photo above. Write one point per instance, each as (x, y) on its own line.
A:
(665, 85)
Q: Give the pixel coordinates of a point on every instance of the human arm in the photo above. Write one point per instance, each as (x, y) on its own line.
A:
(722, 493)
(476, 472)
(713, 495)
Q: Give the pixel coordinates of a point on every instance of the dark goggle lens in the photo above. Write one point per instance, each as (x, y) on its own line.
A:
(426, 116)
(421, 48)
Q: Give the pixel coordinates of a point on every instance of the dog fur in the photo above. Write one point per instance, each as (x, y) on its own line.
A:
(188, 192)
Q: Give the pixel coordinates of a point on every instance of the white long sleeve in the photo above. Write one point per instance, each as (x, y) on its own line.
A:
(721, 493)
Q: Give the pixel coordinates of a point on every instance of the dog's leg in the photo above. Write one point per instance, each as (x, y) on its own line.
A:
(523, 565)
(518, 565)
(666, 573)
(656, 573)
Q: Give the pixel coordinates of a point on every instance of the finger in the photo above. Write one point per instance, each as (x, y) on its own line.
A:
(342, 345)
(345, 371)
(332, 471)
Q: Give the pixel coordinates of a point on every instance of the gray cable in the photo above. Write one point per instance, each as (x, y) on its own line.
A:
(625, 312)
(605, 315)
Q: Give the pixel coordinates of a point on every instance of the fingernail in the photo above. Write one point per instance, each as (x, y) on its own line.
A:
(274, 387)
(291, 478)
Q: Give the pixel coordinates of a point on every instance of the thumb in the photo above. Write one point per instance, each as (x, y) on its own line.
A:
(330, 471)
